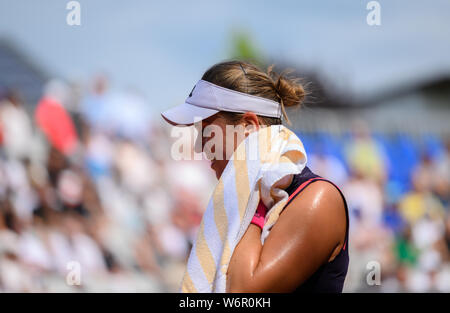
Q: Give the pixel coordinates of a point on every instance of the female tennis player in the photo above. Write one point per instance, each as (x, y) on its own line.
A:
(307, 248)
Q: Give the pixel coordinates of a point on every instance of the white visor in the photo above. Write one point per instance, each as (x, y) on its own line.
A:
(207, 99)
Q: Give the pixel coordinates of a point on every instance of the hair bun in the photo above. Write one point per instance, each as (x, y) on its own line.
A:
(290, 90)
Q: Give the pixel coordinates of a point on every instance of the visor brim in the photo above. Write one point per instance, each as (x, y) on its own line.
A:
(187, 114)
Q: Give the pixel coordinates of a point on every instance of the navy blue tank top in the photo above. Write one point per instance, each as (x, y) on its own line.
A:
(330, 276)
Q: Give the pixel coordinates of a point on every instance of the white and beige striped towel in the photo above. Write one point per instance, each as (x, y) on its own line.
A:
(260, 168)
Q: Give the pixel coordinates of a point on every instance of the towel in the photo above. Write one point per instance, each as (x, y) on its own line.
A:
(259, 169)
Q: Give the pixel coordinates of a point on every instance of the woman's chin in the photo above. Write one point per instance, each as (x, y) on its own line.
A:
(216, 170)
(218, 174)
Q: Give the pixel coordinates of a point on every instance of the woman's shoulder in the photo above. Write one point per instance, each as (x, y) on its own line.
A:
(317, 193)
(320, 197)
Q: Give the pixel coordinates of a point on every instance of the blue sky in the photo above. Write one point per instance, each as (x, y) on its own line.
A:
(163, 47)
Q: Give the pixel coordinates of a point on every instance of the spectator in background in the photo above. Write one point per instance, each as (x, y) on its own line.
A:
(426, 172)
(327, 166)
(446, 248)
(406, 251)
(124, 114)
(364, 155)
(15, 126)
(129, 116)
(93, 108)
(441, 184)
(365, 200)
(53, 119)
(420, 201)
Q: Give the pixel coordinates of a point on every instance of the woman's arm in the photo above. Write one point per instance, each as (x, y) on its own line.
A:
(308, 233)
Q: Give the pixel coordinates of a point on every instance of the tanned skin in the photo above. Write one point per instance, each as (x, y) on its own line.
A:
(309, 232)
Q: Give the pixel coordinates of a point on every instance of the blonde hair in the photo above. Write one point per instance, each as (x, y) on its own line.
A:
(248, 78)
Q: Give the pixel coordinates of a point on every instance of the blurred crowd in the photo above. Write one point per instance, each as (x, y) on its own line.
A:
(397, 190)
(91, 199)
(88, 188)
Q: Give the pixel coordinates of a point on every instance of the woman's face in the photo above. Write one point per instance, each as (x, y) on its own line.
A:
(220, 138)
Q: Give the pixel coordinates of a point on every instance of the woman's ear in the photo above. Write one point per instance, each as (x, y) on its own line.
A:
(250, 120)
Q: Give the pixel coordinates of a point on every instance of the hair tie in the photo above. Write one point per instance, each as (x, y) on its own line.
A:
(245, 74)
(282, 103)
(284, 112)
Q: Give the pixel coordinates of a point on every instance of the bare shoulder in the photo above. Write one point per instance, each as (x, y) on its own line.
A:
(321, 193)
(321, 206)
